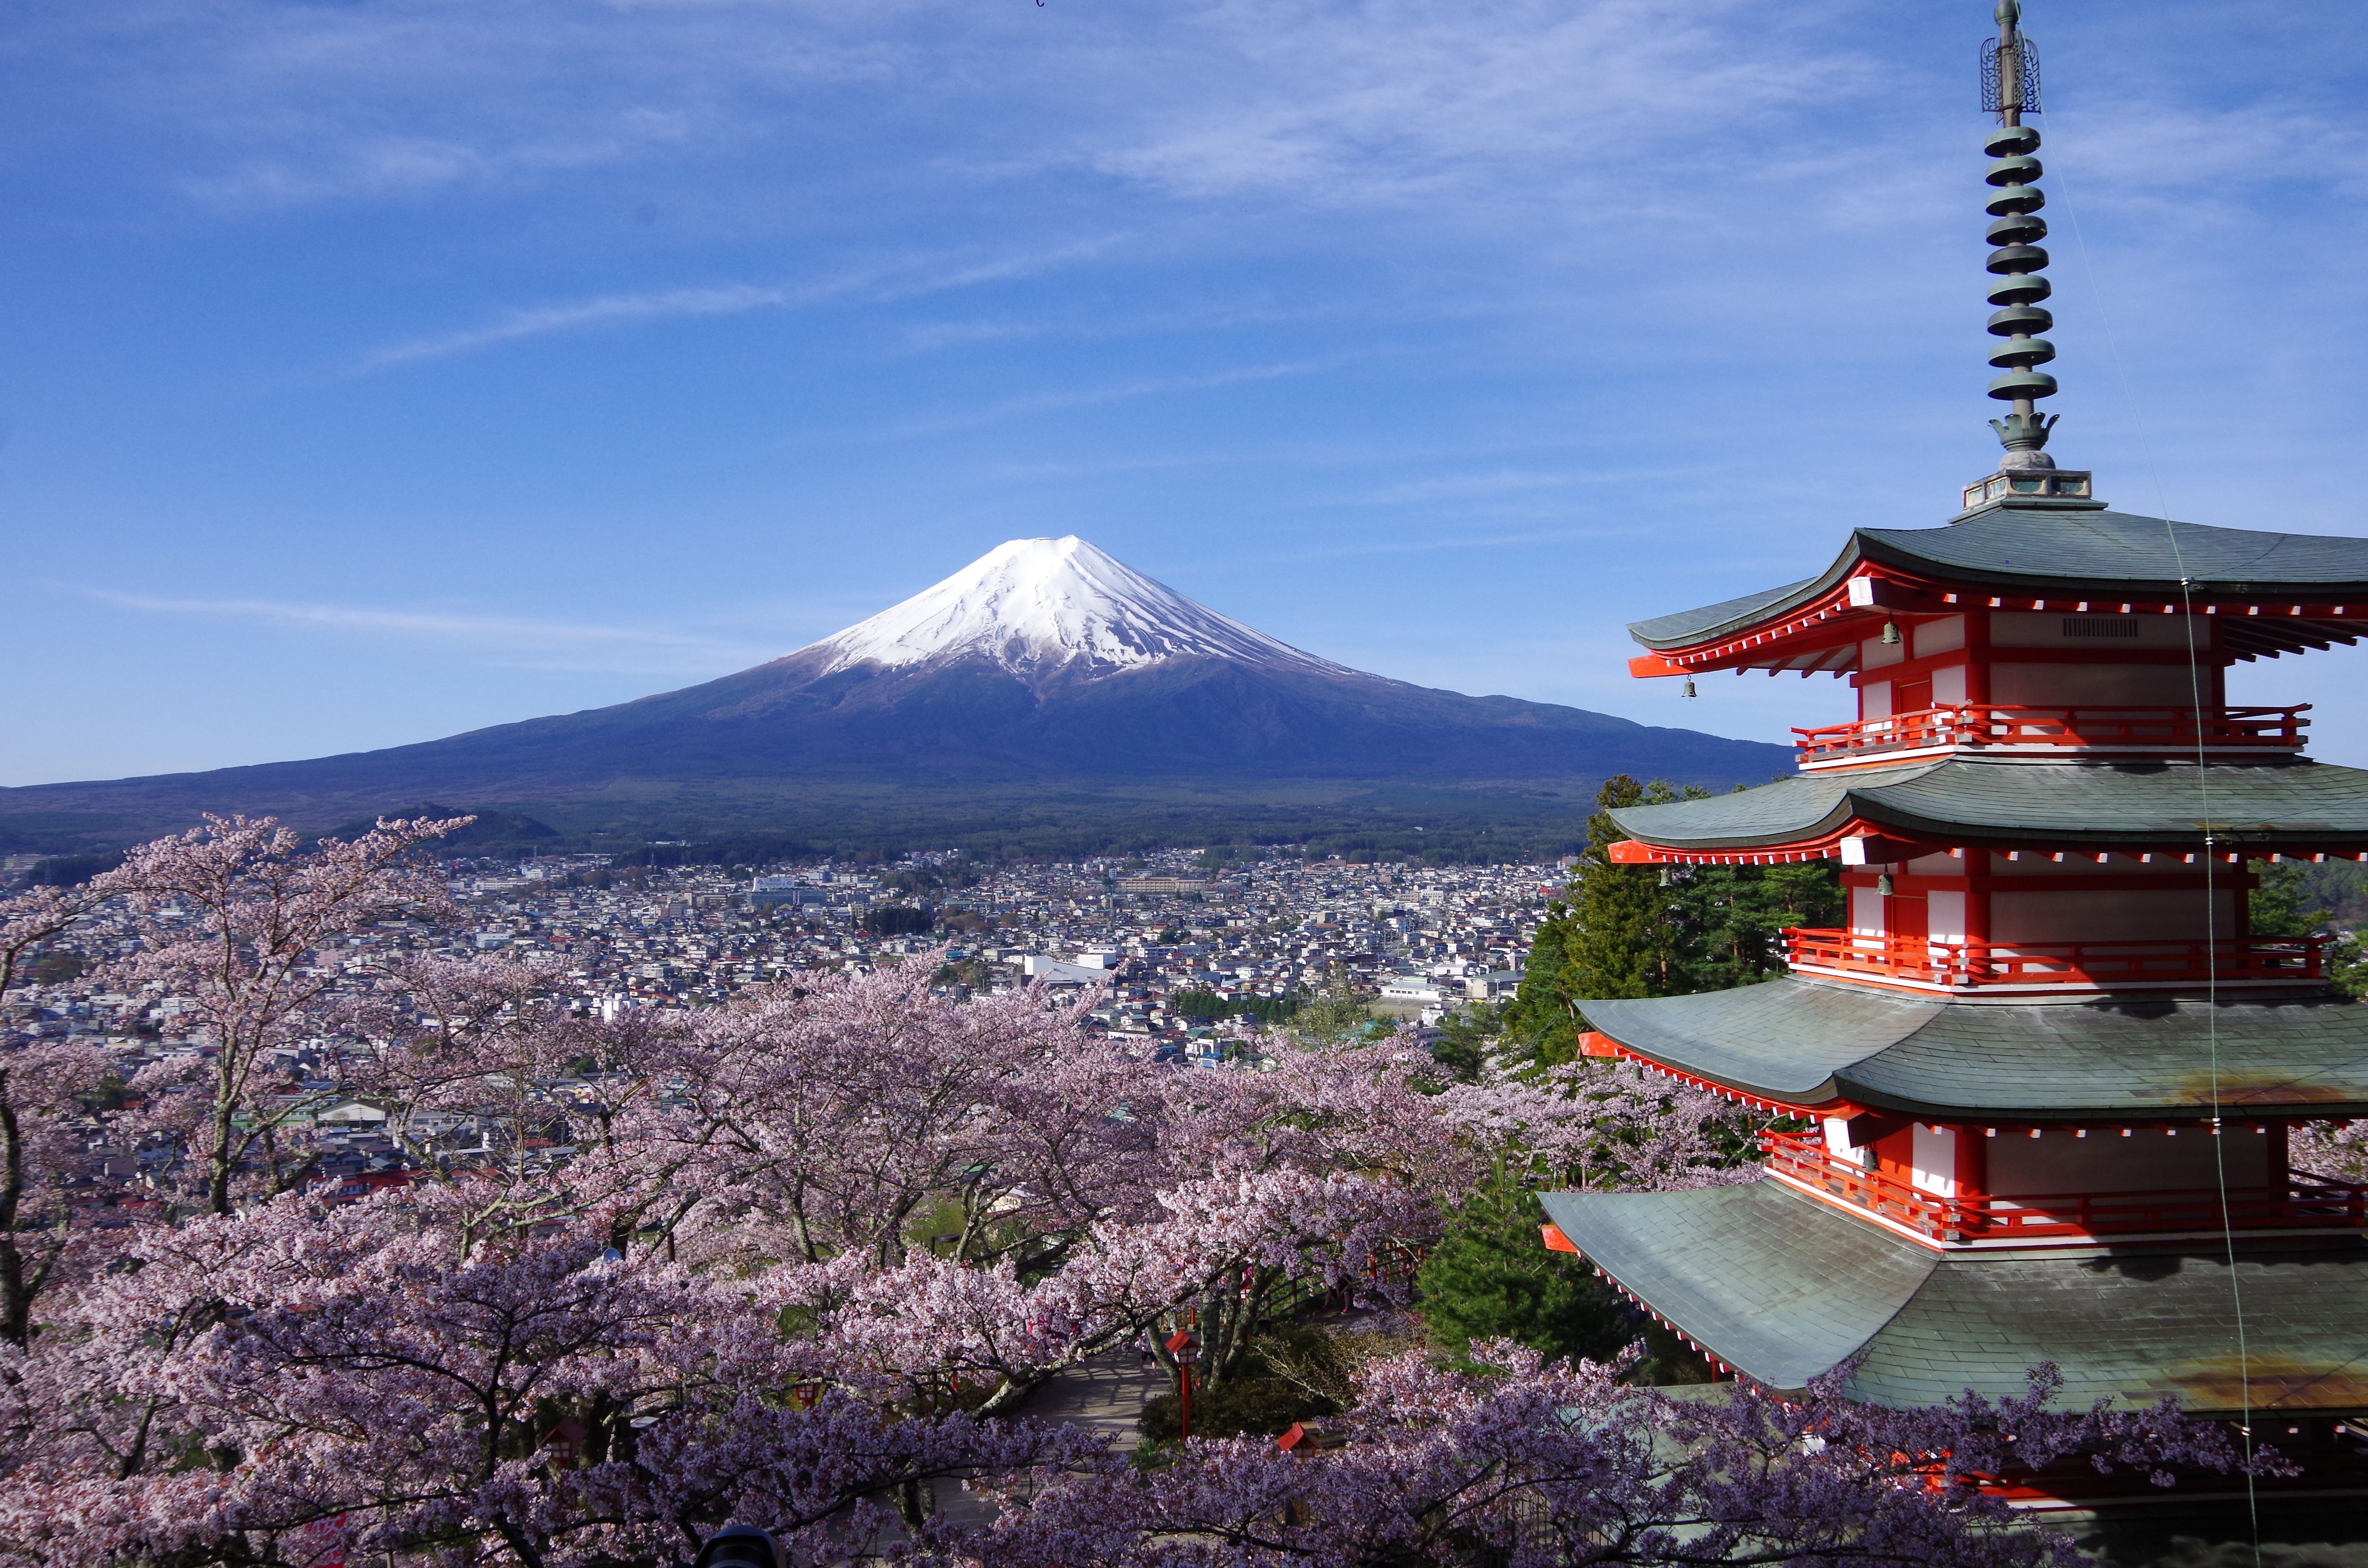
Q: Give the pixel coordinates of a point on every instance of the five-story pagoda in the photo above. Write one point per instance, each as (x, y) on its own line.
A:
(2053, 1078)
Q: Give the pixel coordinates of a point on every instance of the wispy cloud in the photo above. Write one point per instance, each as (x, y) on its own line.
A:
(1394, 100)
(519, 642)
(382, 165)
(606, 310)
(904, 278)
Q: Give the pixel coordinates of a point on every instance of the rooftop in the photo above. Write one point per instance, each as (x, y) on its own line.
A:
(1812, 1044)
(2278, 802)
(2051, 553)
(1786, 1288)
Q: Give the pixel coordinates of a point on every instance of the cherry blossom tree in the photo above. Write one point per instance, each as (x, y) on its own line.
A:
(399, 1375)
(2337, 1149)
(260, 901)
(1529, 1462)
(39, 1086)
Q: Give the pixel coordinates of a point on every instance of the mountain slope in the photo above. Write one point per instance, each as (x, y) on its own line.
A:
(1046, 659)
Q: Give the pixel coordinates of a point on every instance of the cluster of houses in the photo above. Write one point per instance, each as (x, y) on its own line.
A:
(1164, 949)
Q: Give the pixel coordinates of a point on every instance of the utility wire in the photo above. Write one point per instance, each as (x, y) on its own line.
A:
(2210, 869)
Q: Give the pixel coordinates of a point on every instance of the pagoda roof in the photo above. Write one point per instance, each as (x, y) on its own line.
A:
(1813, 1043)
(1786, 1288)
(2053, 553)
(2282, 802)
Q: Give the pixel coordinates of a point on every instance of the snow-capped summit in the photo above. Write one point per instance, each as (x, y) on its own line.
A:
(1033, 605)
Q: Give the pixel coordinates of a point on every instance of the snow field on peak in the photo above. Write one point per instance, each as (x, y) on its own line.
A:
(1037, 604)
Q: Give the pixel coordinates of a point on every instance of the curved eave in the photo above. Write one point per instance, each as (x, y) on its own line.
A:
(1820, 1047)
(2288, 806)
(1841, 1096)
(1784, 628)
(1912, 834)
(1786, 1290)
(1885, 545)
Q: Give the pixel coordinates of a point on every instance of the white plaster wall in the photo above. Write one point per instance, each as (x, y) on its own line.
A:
(1933, 1163)
(1838, 1143)
(1940, 636)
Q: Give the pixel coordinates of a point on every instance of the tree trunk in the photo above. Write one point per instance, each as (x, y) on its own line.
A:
(16, 1298)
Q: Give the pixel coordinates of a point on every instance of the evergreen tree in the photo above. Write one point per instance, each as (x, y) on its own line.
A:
(1492, 1274)
(1656, 931)
(1612, 939)
(1621, 945)
(1542, 1013)
(2282, 906)
(1733, 918)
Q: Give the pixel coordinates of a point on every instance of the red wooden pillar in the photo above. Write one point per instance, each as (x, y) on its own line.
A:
(1977, 656)
(1973, 1163)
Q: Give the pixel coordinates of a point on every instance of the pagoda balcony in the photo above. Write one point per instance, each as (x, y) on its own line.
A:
(1992, 726)
(1929, 963)
(2302, 1201)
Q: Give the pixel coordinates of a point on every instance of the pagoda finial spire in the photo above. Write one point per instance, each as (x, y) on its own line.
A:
(2026, 474)
(2010, 90)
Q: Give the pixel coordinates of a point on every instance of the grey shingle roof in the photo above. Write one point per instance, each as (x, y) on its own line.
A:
(1807, 1043)
(1786, 1287)
(2063, 550)
(2287, 802)
(1688, 626)
(1756, 1273)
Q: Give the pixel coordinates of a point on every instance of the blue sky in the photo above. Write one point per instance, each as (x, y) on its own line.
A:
(377, 370)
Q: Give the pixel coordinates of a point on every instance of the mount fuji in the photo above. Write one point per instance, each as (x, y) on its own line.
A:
(1045, 660)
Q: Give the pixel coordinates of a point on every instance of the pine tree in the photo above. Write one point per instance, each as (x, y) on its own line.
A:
(1491, 1275)
(1624, 943)
(2282, 906)
(1541, 1012)
(1733, 918)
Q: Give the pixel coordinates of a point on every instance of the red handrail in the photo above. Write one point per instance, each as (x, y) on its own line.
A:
(2300, 1200)
(1963, 965)
(1975, 726)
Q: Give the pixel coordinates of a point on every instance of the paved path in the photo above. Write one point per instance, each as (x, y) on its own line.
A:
(1104, 1395)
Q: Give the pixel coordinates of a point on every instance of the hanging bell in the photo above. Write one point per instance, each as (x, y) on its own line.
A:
(1690, 687)
(1890, 633)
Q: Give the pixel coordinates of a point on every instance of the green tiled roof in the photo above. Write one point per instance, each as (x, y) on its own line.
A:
(1786, 1297)
(1807, 1043)
(2288, 801)
(1785, 1287)
(2061, 551)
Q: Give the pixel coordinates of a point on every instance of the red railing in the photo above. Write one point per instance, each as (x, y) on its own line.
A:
(1973, 726)
(1961, 965)
(2300, 1200)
